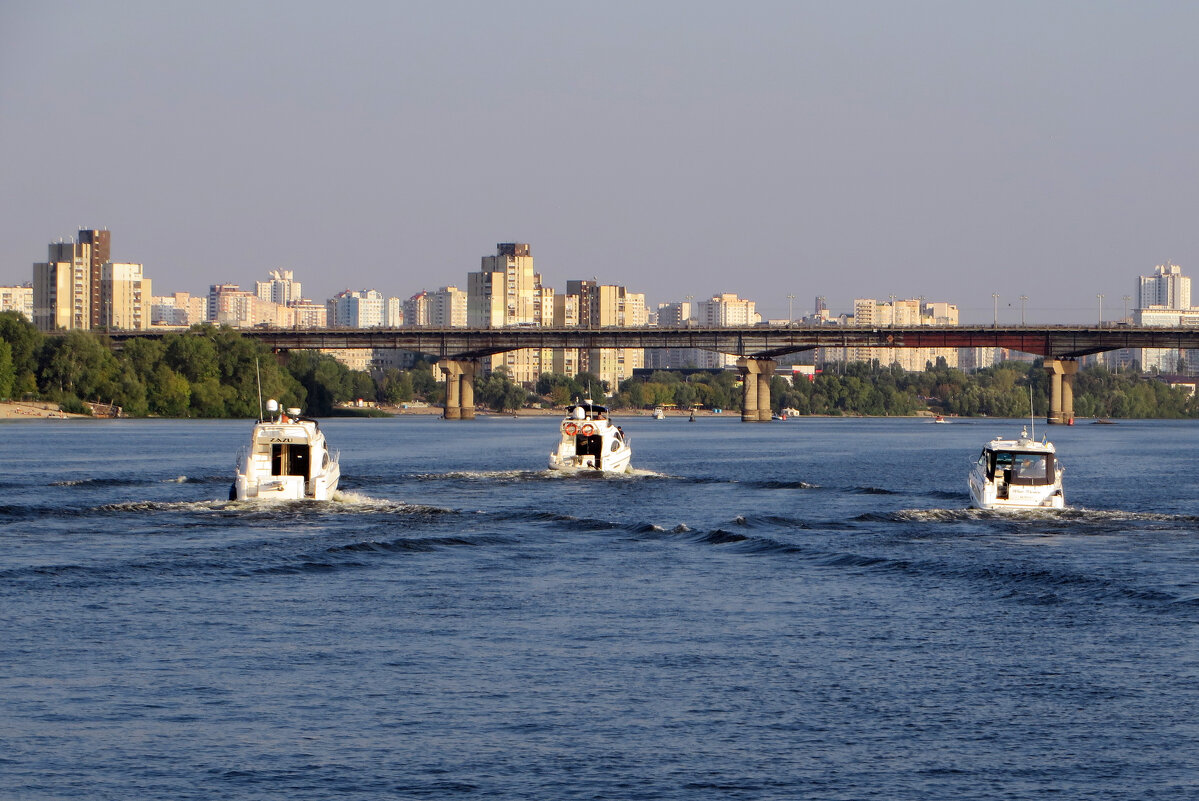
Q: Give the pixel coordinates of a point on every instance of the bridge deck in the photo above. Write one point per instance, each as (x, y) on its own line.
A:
(753, 341)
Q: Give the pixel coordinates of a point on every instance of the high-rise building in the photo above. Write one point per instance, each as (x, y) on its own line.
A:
(502, 292)
(125, 296)
(910, 312)
(1164, 299)
(71, 290)
(672, 315)
(416, 309)
(447, 308)
(724, 309)
(393, 312)
(306, 314)
(99, 252)
(281, 288)
(566, 315)
(505, 292)
(598, 306)
(18, 299)
(62, 288)
(1167, 288)
(354, 309)
(179, 308)
(229, 304)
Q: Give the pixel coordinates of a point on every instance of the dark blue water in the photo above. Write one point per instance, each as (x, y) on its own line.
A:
(795, 610)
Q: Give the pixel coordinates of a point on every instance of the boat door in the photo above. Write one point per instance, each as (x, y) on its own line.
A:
(1002, 470)
(591, 446)
(290, 459)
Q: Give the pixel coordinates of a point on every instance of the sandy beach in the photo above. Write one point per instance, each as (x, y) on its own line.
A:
(10, 410)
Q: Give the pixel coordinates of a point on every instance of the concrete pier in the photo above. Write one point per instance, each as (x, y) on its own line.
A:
(459, 388)
(755, 389)
(1061, 390)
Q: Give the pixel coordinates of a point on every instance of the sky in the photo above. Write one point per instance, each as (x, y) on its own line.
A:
(950, 150)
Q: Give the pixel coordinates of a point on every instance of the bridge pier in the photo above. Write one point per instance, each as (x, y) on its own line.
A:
(1061, 390)
(459, 388)
(755, 389)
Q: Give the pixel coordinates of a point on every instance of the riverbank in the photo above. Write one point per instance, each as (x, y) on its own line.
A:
(26, 410)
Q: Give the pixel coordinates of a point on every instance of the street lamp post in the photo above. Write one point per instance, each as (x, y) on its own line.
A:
(995, 297)
(1126, 299)
(790, 315)
(1023, 300)
(1100, 296)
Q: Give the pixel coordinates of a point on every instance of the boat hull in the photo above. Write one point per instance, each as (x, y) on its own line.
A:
(984, 495)
(615, 462)
(287, 488)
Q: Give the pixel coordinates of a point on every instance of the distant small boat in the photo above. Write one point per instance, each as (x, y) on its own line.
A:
(939, 419)
(659, 413)
(1099, 421)
(288, 459)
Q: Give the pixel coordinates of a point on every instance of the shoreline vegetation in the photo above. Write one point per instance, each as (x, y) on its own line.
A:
(214, 373)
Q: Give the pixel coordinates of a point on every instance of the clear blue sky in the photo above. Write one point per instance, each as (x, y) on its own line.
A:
(845, 149)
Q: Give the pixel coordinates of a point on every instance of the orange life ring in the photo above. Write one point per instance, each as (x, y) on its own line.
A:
(587, 430)
(570, 429)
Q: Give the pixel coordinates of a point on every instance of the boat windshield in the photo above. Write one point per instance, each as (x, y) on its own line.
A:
(1023, 467)
(589, 409)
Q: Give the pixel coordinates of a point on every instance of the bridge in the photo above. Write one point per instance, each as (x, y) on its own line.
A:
(757, 347)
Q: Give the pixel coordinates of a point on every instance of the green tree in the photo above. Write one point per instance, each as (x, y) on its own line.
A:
(26, 343)
(79, 364)
(8, 376)
(395, 386)
(168, 393)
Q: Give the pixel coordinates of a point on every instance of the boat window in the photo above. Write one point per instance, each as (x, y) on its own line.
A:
(615, 445)
(1030, 468)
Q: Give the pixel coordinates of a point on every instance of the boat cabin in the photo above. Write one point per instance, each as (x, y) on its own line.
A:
(1007, 466)
(290, 447)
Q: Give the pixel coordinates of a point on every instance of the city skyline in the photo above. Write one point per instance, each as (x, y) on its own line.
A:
(775, 150)
(1012, 310)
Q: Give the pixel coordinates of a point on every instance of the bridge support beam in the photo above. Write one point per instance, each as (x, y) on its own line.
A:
(755, 389)
(459, 388)
(1061, 391)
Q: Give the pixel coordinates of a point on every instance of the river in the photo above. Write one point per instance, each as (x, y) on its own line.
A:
(804, 609)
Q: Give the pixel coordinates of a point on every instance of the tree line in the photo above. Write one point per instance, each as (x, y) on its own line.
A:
(215, 372)
(861, 388)
(204, 372)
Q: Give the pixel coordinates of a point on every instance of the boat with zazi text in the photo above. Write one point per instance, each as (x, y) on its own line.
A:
(288, 459)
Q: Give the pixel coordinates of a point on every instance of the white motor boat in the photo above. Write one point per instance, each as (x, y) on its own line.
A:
(288, 459)
(1017, 474)
(659, 413)
(589, 441)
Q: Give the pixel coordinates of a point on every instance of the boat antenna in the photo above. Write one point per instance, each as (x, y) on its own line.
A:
(1032, 418)
(258, 376)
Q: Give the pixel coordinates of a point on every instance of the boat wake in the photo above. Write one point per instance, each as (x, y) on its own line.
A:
(1075, 514)
(492, 476)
